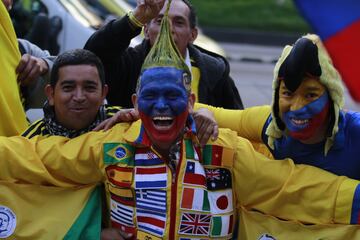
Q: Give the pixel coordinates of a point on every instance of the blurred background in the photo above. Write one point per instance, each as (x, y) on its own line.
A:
(250, 33)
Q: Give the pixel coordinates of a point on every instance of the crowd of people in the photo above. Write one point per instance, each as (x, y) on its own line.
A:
(153, 141)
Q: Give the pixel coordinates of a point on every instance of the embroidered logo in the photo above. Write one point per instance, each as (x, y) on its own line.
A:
(195, 224)
(7, 222)
(120, 152)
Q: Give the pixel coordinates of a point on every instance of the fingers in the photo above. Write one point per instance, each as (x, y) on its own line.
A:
(114, 234)
(206, 126)
(123, 115)
(29, 69)
(101, 125)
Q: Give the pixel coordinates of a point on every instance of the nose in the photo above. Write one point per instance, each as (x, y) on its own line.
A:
(297, 103)
(79, 95)
(161, 105)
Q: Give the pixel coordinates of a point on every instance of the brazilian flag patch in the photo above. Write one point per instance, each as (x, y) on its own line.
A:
(119, 154)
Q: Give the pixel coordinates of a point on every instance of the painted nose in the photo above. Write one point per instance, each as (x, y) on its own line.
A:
(297, 103)
(161, 105)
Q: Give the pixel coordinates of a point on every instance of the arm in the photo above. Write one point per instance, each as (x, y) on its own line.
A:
(34, 63)
(55, 161)
(115, 36)
(247, 123)
(293, 192)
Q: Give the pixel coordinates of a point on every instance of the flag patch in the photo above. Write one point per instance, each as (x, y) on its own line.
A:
(121, 214)
(195, 224)
(119, 176)
(218, 178)
(194, 174)
(151, 222)
(121, 195)
(119, 153)
(221, 201)
(217, 156)
(145, 157)
(155, 177)
(195, 199)
(151, 199)
(222, 226)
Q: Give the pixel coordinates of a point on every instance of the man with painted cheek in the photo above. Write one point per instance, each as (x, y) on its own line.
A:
(303, 101)
(163, 104)
(305, 111)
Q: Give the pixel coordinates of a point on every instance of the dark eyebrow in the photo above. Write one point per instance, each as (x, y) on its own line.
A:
(67, 82)
(313, 88)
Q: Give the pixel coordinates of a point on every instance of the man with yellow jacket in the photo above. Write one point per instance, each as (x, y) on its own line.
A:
(160, 185)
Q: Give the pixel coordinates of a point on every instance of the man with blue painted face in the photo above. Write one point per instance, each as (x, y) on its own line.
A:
(159, 183)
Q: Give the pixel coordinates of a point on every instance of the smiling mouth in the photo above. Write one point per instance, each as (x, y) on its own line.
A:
(300, 122)
(163, 122)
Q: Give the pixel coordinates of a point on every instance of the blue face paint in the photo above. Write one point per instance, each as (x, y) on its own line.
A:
(162, 92)
(163, 103)
(315, 113)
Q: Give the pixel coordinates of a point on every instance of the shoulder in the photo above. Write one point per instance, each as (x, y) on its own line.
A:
(35, 129)
(205, 56)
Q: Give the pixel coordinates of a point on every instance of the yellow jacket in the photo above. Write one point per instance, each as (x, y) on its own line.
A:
(200, 200)
(13, 119)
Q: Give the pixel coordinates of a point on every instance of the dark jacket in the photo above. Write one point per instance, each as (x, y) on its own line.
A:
(123, 64)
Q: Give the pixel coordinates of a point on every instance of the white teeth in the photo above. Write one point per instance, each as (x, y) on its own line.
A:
(162, 118)
(300, 121)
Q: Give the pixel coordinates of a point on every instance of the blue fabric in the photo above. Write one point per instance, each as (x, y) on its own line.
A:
(329, 17)
(343, 157)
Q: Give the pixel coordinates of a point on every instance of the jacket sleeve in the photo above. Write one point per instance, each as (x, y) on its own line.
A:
(35, 51)
(112, 39)
(248, 123)
(293, 192)
(54, 161)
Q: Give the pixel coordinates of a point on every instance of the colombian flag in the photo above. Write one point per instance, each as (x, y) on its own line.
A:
(337, 22)
(13, 119)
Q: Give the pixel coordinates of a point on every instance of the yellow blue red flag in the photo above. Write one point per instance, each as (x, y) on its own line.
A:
(338, 25)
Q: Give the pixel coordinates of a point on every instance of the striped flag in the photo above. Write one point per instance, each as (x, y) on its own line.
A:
(119, 176)
(217, 156)
(155, 177)
(151, 199)
(145, 157)
(222, 226)
(221, 201)
(121, 216)
(195, 199)
(151, 222)
(338, 25)
(194, 173)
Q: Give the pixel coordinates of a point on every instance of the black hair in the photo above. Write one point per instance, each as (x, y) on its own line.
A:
(76, 57)
(192, 15)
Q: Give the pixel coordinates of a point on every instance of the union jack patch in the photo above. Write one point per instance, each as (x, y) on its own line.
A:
(195, 224)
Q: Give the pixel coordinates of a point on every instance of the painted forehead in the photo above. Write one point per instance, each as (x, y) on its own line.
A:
(169, 74)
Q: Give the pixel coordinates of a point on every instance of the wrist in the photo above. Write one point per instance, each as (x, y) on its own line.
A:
(134, 20)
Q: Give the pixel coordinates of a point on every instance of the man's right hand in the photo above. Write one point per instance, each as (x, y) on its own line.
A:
(147, 10)
(114, 234)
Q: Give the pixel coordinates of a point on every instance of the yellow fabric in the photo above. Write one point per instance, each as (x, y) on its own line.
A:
(43, 212)
(346, 193)
(248, 123)
(195, 78)
(278, 188)
(13, 119)
(253, 225)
